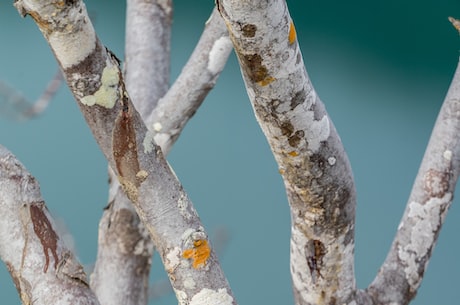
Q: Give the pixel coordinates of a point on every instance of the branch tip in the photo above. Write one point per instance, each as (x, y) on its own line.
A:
(455, 23)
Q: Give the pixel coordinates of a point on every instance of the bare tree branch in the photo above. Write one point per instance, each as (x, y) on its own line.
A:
(401, 274)
(147, 51)
(184, 100)
(121, 273)
(14, 105)
(197, 78)
(310, 155)
(96, 81)
(44, 269)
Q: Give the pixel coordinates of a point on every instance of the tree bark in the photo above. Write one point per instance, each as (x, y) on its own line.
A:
(401, 274)
(43, 268)
(95, 79)
(306, 146)
(121, 273)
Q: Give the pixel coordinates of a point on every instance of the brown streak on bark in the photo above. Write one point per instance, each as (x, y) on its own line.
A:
(44, 231)
(124, 148)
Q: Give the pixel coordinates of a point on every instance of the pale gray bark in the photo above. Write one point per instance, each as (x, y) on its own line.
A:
(44, 269)
(401, 274)
(121, 273)
(177, 107)
(311, 159)
(197, 78)
(310, 156)
(95, 79)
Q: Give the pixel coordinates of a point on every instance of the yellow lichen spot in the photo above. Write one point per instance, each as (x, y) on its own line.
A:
(199, 253)
(142, 175)
(266, 81)
(293, 153)
(281, 171)
(107, 95)
(292, 33)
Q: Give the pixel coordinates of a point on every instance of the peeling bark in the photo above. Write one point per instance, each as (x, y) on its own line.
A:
(43, 269)
(309, 153)
(96, 82)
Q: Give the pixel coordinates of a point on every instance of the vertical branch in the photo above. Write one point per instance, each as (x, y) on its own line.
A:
(401, 274)
(309, 153)
(121, 273)
(43, 269)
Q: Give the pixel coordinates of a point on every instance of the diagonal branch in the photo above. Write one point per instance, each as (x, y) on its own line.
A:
(401, 274)
(176, 107)
(44, 270)
(197, 78)
(310, 155)
(94, 77)
(121, 273)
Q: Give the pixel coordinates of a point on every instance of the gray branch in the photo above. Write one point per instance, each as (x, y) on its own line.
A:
(432, 194)
(121, 273)
(197, 78)
(44, 269)
(95, 79)
(309, 153)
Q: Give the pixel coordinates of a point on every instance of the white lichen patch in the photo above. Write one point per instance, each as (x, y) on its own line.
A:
(181, 297)
(426, 218)
(447, 155)
(157, 126)
(108, 93)
(172, 259)
(316, 131)
(74, 44)
(219, 54)
(212, 297)
(182, 204)
(331, 161)
(149, 142)
(189, 283)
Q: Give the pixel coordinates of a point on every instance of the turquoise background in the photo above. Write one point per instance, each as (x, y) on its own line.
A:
(382, 69)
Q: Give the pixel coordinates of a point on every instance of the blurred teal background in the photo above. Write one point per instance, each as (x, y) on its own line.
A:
(382, 69)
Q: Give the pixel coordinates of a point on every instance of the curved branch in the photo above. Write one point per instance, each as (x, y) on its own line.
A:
(310, 155)
(197, 78)
(44, 270)
(401, 274)
(94, 77)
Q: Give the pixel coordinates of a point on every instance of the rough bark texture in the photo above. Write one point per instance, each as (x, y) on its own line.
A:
(43, 269)
(309, 153)
(95, 79)
(176, 108)
(121, 273)
(432, 194)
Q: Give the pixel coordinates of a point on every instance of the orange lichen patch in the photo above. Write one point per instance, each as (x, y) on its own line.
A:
(292, 33)
(266, 81)
(199, 253)
(293, 153)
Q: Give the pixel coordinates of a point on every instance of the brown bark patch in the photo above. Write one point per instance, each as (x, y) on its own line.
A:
(249, 30)
(44, 231)
(124, 148)
(436, 183)
(255, 70)
(315, 250)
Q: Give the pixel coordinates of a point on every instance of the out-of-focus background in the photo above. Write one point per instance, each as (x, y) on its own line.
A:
(382, 69)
